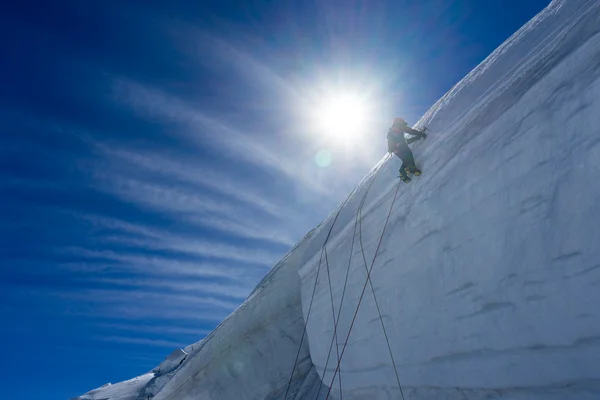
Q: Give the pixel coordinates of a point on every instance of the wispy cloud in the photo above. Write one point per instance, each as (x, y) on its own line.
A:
(201, 175)
(151, 265)
(167, 198)
(224, 53)
(208, 316)
(192, 206)
(278, 234)
(204, 249)
(180, 190)
(184, 289)
(203, 130)
(141, 341)
(243, 228)
(161, 329)
(139, 304)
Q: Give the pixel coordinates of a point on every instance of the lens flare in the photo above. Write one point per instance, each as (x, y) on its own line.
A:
(323, 158)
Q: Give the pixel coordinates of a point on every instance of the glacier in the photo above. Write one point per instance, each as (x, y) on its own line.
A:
(483, 273)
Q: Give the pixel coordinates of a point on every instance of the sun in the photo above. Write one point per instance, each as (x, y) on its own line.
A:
(341, 115)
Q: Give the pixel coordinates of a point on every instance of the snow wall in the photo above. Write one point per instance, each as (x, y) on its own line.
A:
(487, 276)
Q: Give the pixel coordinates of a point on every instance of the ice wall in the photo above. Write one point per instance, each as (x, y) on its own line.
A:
(488, 277)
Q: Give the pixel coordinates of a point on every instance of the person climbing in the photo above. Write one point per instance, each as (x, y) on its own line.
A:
(398, 145)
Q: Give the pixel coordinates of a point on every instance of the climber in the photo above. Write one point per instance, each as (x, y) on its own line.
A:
(398, 145)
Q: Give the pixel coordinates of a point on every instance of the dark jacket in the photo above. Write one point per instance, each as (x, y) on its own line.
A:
(396, 139)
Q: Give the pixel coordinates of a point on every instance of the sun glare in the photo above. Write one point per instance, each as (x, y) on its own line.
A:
(342, 115)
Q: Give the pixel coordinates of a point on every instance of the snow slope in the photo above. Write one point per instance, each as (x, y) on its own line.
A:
(126, 390)
(487, 275)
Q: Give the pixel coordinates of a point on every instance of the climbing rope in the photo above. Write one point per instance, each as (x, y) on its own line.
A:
(312, 298)
(337, 347)
(387, 340)
(364, 289)
(337, 319)
(317, 280)
(318, 271)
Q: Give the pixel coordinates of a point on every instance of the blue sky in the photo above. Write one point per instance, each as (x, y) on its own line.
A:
(157, 158)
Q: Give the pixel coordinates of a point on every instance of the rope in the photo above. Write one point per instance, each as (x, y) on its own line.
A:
(378, 308)
(315, 285)
(362, 202)
(364, 287)
(312, 298)
(337, 348)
